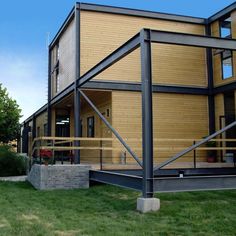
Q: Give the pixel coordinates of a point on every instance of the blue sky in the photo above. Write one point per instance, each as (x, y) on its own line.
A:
(26, 25)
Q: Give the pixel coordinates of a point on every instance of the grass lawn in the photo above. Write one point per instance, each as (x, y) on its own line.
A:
(106, 210)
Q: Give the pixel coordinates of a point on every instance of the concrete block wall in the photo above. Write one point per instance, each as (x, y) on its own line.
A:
(59, 176)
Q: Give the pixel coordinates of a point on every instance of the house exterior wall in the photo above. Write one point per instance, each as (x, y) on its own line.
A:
(175, 116)
(66, 57)
(102, 33)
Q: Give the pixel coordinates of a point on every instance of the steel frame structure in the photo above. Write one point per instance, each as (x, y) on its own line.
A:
(144, 40)
(146, 182)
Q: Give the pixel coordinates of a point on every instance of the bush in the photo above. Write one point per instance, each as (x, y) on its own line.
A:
(11, 163)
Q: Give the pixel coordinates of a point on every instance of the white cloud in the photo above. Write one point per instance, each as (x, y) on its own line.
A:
(25, 77)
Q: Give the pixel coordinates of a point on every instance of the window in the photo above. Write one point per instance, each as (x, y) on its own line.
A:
(81, 128)
(225, 28)
(226, 55)
(57, 83)
(45, 129)
(227, 64)
(90, 126)
(38, 131)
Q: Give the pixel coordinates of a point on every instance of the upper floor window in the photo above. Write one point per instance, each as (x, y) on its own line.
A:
(225, 28)
(227, 64)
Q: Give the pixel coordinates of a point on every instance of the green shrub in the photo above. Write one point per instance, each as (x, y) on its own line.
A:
(11, 163)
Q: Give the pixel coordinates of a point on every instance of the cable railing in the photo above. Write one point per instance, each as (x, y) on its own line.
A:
(198, 145)
(106, 153)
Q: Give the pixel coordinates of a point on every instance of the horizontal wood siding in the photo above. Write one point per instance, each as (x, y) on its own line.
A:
(93, 156)
(175, 117)
(41, 120)
(102, 33)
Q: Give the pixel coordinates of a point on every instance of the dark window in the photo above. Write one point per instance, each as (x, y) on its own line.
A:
(45, 129)
(227, 64)
(90, 126)
(38, 131)
(81, 128)
(226, 28)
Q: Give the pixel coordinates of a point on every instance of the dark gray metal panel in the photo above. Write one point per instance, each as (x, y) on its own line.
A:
(174, 184)
(192, 40)
(198, 144)
(112, 129)
(141, 13)
(147, 114)
(222, 13)
(62, 28)
(122, 180)
(111, 59)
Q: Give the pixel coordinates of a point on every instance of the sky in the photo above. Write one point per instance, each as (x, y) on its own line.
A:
(27, 26)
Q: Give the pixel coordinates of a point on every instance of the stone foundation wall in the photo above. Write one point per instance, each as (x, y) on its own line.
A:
(59, 176)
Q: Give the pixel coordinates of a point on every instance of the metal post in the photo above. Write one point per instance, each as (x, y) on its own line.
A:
(211, 98)
(101, 155)
(147, 122)
(49, 111)
(34, 128)
(77, 125)
(194, 156)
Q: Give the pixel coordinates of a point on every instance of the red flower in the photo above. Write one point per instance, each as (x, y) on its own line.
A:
(46, 153)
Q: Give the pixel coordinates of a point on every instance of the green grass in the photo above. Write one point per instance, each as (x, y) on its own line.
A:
(106, 210)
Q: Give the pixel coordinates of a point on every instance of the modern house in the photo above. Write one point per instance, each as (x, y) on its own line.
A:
(162, 82)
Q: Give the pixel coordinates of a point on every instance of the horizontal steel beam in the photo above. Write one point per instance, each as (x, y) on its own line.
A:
(156, 88)
(225, 88)
(62, 94)
(122, 180)
(64, 26)
(37, 113)
(115, 56)
(140, 13)
(191, 40)
(194, 183)
(224, 12)
(184, 171)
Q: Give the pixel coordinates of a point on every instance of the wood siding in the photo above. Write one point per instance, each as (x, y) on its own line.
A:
(41, 120)
(175, 116)
(102, 33)
(103, 103)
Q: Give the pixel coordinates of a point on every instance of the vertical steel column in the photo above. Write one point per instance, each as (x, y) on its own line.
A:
(49, 111)
(147, 122)
(77, 125)
(211, 99)
(34, 127)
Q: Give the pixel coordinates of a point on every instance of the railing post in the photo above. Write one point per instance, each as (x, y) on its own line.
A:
(101, 155)
(147, 122)
(194, 156)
